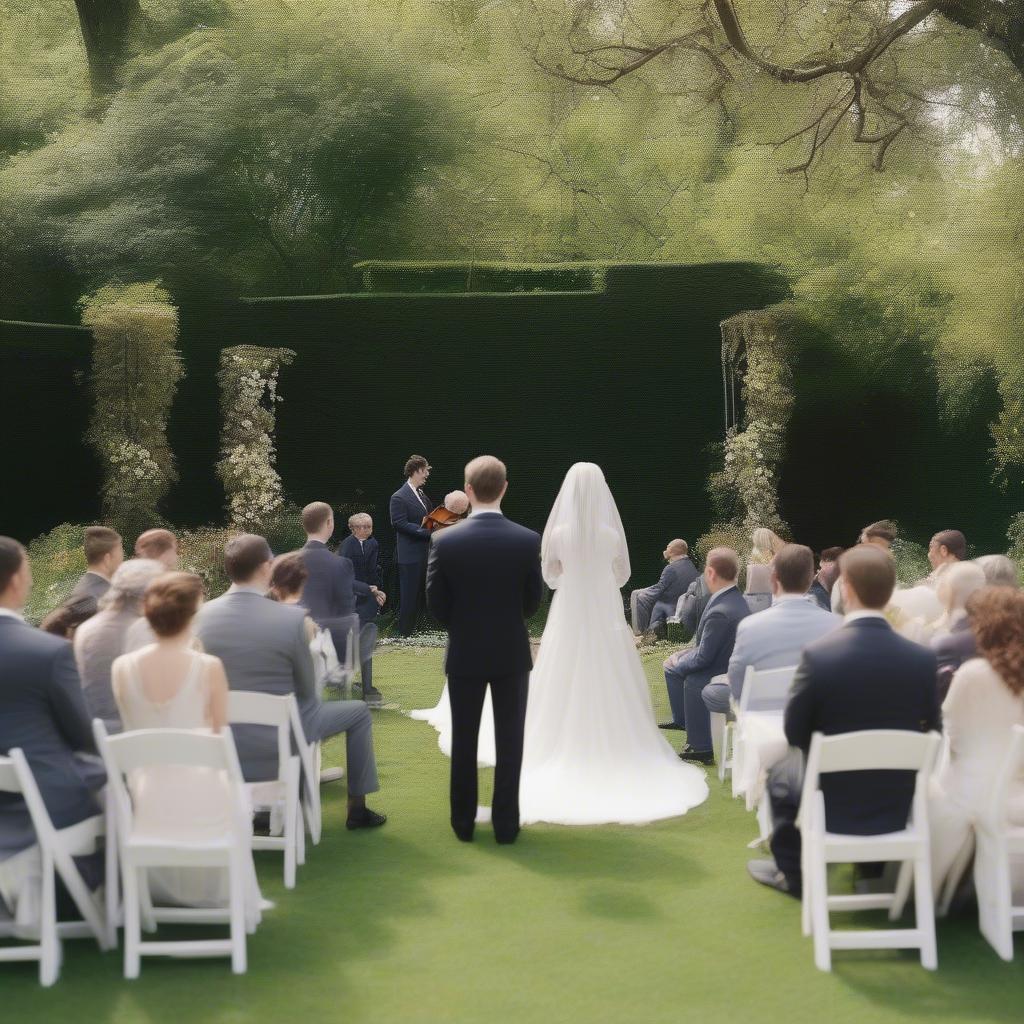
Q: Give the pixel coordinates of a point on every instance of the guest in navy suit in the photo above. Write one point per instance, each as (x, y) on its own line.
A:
(409, 504)
(360, 547)
(332, 589)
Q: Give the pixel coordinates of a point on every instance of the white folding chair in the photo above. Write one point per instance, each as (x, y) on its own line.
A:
(309, 758)
(129, 752)
(57, 850)
(868, 750)
(997, 844)
(722, 736)
(279, 796)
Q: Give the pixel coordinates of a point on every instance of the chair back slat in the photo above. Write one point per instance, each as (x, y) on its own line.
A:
(196, 748)
(766, 689)
(875, 750)
(268, 709)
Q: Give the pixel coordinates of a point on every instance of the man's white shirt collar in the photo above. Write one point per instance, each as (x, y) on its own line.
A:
(246, 588)
(718, 593)
(12, 614)
(864, 613)
(417, 493)
(481, 509)
(789, 597)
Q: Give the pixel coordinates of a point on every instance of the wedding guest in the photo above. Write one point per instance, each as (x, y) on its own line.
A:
(766, 545)
(651, 607)
(862, 676)
(360, 547)
(65, 619)
(952, 639)
(820, 591)
(104, 552)
(999, 570)
(43, 712)
(331, 591)
(264, 647)
(946, 548)
(775, 637)
(985, 701)
(101, 640)
(880, 535)
(409, 504)
(160, 545)
(688, 672)
(170, 685)
(695, 600)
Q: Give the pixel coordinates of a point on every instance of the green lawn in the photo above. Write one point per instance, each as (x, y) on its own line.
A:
(612, 924)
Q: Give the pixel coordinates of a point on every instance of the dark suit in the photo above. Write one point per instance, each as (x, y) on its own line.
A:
(695, 600)
(365, 562)
(819, 595)
(862, 676)
(412, 540)
(655, 604)
(90, 587)
(329, 596)
(42, 710)
(483, 582)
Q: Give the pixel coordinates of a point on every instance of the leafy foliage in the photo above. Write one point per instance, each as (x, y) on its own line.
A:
(58, 561)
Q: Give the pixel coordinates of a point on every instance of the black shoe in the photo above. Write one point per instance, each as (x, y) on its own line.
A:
(373, 698)
(697, 756)
(365, 818)
(767, 873)
(671, 725)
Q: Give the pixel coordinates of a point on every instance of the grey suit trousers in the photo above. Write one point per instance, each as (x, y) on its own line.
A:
(325, 719)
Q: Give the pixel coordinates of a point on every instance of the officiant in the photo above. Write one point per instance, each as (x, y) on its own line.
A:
(409, 504)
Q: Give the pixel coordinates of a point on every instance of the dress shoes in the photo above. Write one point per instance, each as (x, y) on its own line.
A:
(365, 818)
(373, 698)
(767, 873)
(670, 725)
(697, 756)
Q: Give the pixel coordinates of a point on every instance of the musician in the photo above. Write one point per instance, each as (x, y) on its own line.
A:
(409, 505)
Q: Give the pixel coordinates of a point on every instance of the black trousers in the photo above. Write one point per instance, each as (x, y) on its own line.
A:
(508, 696)
(411, 577)
(785, 786)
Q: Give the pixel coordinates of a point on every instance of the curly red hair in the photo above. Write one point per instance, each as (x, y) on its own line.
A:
(997, 620)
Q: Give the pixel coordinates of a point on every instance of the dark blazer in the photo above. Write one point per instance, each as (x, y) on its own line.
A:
(674, 581)
(406, 517)
(89, 589)
(697, 597)
(42, 710)
(863, 676)
(483, 582)
(330, 591)
(819, 595)
(364, 559)
(715, 637)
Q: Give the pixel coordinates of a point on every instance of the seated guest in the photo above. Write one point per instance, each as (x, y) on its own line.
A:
(331, 591)
(775, 637)
(820, 591)
(651, 607)
(264, 647)
(985, 701)
(946, 548)
(104, 552)
(695, 600)
(879, 535)
(102, 639)
(160, 545)
(688, 672)
(999, 570)
(862, 676)
(758, 590)
(65, 619)
(952, 639)
(170, 685)
(42, 710)
(360, 547)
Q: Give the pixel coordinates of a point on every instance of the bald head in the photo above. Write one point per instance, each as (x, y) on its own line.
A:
(486, 480)
(676, 549)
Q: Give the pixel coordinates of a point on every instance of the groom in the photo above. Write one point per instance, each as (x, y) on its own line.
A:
(483, 582)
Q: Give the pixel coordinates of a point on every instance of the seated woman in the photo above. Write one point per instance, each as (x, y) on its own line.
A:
(170, 685)
(101, 639)
(952, 639)
(758, 591)
(985, 700)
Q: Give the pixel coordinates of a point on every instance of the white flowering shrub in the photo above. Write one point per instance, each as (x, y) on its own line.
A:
(248, 386)
(136, 368)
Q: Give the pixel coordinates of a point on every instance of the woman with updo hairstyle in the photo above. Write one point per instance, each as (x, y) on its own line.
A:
(171, 685)
(766, 545)
(985, 701)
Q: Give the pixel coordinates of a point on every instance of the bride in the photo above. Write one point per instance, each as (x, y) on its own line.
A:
(593, 752)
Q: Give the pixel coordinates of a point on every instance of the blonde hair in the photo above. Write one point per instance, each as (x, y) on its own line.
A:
(767, 544)
(957, 584)
(359, 519)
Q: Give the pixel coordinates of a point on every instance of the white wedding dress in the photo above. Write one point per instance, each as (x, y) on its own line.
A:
(593, 751)
(440, 717)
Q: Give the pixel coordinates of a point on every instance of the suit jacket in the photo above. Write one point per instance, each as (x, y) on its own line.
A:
(42, 710)
(330, 591)
(406, 517)
(90, 587)
(863, 676)
(696, 600)
(777, 636)
(483, 582)
(364, 559)
(675, 578)
(952, 649)
(820, 596)
(264, 648)
(715, 636)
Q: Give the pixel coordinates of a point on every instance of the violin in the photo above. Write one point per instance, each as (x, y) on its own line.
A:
(440, 518)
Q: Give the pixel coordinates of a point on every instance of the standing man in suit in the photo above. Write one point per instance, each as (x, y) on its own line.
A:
(42, 710)
(862, 676)
(104, 552)
(264, 646)
(652, 606)
(361, 549)
(409, 504)
(483, 582)
(331, 591)
(688, 672)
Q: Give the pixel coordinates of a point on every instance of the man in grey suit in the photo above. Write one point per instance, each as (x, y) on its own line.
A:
(104, 552)
(652, 606)
(775, 637)
(42, 710)
(265, 648)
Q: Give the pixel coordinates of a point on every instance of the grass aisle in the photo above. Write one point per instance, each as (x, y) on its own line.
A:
(593, 925)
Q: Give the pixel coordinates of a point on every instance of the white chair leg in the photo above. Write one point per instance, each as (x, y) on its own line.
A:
(819, 911)
(904, 879)
(300, 834)
(237, 904)
(955, 876)
(132, 924)
(805, 896)
(995, 894)
(146, 914)
(924, 910)
(49, 943)
(112, 881)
